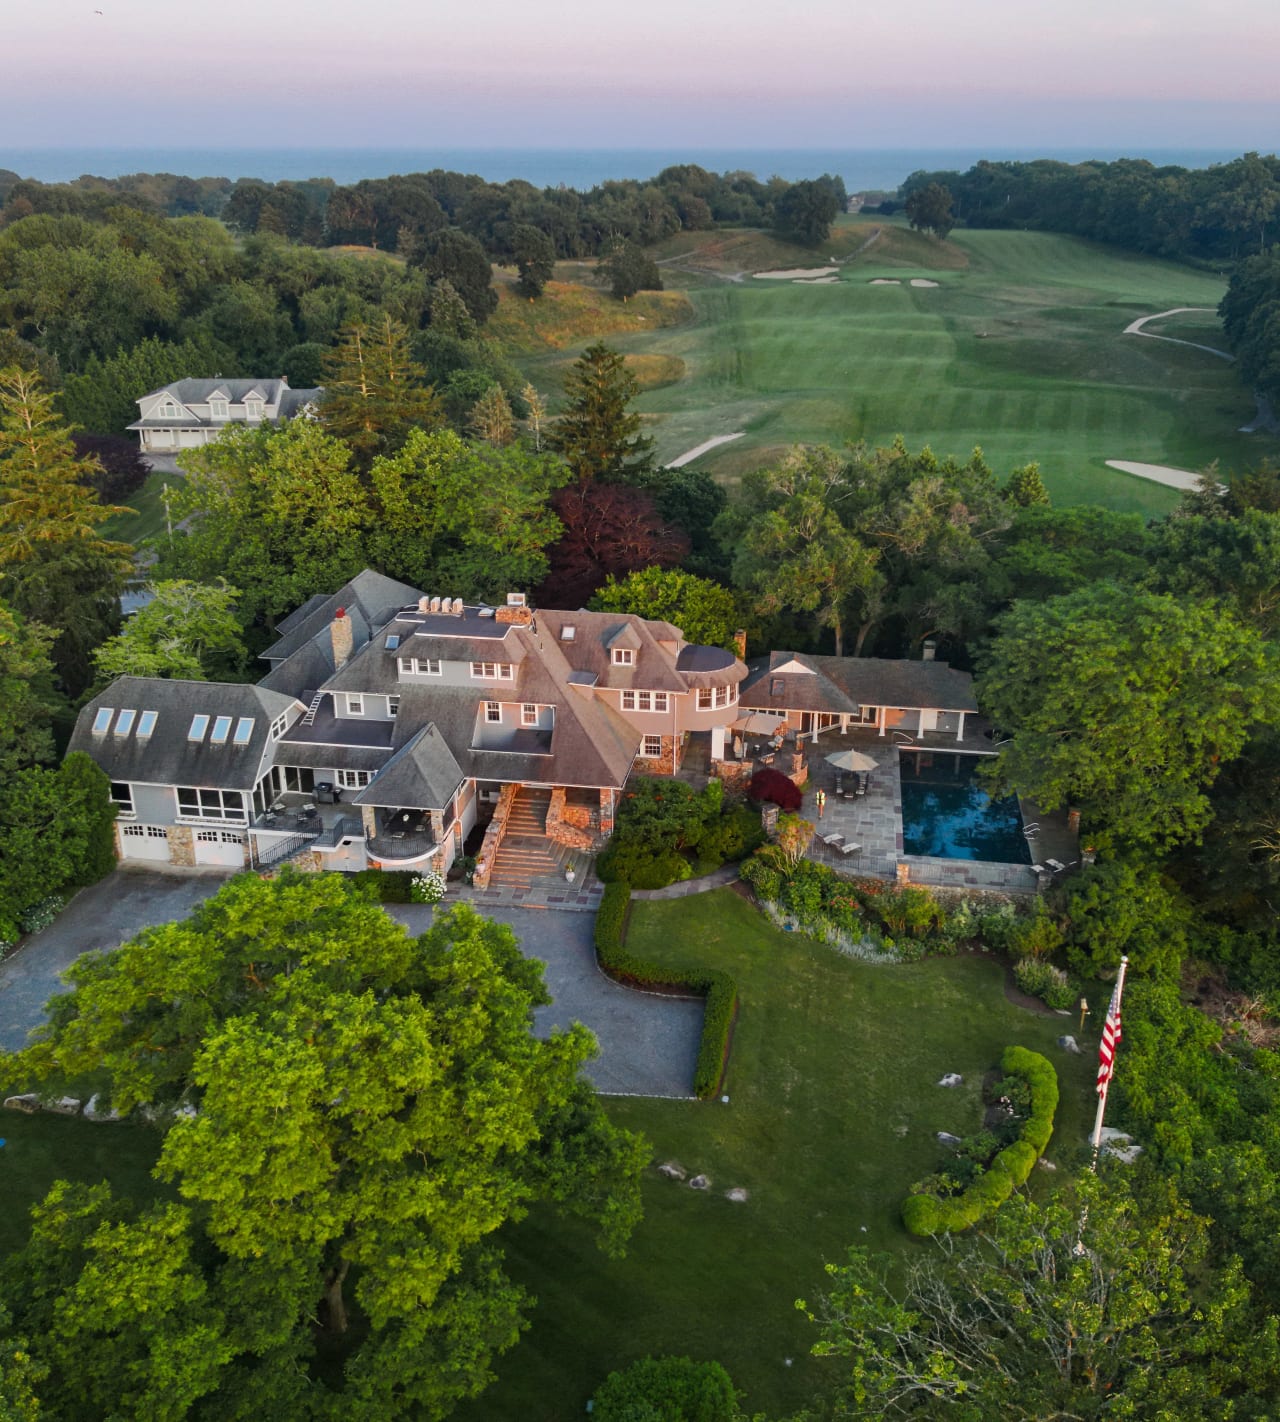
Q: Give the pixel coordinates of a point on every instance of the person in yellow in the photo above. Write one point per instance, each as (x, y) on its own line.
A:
(821, 798)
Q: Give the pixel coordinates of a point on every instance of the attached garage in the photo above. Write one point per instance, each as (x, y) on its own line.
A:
(144, 842)
(219, 847)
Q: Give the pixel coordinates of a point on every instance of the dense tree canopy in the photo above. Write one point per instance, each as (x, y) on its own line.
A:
(704, 611)
(187, 630)
(365, 1104)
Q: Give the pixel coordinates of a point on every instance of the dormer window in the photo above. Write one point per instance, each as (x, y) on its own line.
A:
(493, 671)
(253, 409)
(218, 408)
(624, 657)
(169, 411)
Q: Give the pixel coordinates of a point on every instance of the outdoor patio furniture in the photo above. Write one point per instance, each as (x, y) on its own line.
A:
(839, 784)
(767, 759)
(833, 840)
(850, 848)
(860, 786)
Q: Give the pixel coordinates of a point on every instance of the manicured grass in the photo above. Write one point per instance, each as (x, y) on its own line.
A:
(832, 1116)
(41, 1149)
(1019, 349)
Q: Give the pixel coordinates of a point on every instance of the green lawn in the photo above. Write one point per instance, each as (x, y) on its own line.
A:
(147, 519)
(1019, 349)
(832, 1113)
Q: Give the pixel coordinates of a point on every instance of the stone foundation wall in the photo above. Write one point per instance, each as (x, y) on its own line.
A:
(493, 836)
(735, 774)
(182, 845)
(608, 808)
(665, 764)
(308, 862)
(572, 825)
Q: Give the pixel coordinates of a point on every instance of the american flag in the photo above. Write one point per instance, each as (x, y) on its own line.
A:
(1110, 1041)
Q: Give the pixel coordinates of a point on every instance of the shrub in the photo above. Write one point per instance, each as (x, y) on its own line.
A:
(732, 837)
(996, 928)
(427, 887)
(763, 878)
(667, 1390)
(42, 914)
(387, 886)
(1046, 982)
(1010, 1168)
(911, 910)
(772, 786)
(1036, 936)
(718, 988)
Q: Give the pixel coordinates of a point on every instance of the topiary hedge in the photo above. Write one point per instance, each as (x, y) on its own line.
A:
(719, 988)
(927, 1214)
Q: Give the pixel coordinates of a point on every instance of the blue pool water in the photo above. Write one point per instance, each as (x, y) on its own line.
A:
(948, 815)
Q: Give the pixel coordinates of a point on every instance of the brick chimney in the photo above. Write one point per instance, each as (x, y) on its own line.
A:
(344, 638)
(517, 610)
(740, 643)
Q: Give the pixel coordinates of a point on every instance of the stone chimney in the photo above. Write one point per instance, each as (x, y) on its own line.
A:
(740, 643)
(343, 636)
(928, 650)
(517, 610)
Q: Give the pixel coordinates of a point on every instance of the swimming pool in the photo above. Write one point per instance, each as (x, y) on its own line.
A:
(948, 815)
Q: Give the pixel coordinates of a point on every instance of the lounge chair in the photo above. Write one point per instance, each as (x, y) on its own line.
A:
(864, 779)
(850, 848)
(833, 840)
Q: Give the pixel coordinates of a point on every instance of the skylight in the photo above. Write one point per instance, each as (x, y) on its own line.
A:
(102, 721)
(124, 722)
(244, 730)
(199, 725)
(568, 633)
(147, 723)
(393, 641)
(221, 730)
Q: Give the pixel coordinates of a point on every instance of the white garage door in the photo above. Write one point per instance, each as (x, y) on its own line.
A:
(144, 842)
(220, 847)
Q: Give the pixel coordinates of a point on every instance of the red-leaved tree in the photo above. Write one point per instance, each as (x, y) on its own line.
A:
(609, 529)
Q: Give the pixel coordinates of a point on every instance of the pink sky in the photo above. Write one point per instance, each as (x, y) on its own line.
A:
(591, 73)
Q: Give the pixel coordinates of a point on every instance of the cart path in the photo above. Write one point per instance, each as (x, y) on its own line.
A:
(691, 454)
(1134, 328)
(1182, 479)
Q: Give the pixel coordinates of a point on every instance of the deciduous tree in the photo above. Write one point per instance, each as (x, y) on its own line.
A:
(188, 630)
(609, 530)
(705, 612)
(929, 209)
(535, 256)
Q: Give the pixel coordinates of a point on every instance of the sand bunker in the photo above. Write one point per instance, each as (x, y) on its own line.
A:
(829, 280)
(793, 274)
(922, 281)
(1158, 473)
(884, 281)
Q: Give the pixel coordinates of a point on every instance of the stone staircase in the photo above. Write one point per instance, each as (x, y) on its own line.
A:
(526, 853)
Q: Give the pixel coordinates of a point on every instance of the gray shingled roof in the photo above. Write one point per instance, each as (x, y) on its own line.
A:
(594, 633)
(422, 773)
(369, 596)
(167, 756)
(842, 684)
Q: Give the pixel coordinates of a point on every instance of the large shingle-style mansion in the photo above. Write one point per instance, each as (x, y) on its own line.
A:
(191, 413)
(391, 724)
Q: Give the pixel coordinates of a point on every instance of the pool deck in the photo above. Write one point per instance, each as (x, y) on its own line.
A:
(874, 821)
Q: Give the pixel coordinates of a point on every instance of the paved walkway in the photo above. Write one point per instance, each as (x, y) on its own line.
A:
(648, 1042)
(717, 879)
(1135, 328)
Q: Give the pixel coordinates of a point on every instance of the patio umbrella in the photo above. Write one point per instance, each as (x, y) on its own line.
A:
(760, 723)
(852, 760)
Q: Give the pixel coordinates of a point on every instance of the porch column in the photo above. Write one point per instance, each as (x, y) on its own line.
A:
(880, 718)
(920, 727)
(960, 728)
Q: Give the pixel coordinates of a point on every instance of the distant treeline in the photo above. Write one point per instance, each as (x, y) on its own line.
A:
(399, 214)
(1217, 214)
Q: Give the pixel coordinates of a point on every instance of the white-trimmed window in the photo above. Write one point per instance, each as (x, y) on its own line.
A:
(279, 726)
(122, 796)
(196, 804)
(355, 705)
(218, 409)
(866, 715)
(144, 832)
(624, 657)
(221, 730)
(493, 671)
(199, 725)
(529, 714)
(253, 409)
(651, 748)
(354, 779)
(644, 701)
(493, 711)
(169, 411)
(393, 706)
(716, 697)
(420, 666)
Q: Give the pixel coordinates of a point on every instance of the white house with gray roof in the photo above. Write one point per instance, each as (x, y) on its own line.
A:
(189, 413)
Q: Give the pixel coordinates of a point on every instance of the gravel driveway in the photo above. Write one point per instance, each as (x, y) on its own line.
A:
(648, 1044)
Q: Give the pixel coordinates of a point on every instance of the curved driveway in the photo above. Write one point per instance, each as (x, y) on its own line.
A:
(648, 1044)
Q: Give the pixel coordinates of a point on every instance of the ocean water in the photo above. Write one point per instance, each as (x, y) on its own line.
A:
(862, 169)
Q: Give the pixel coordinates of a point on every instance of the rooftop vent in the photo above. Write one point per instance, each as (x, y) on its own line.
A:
(517, 599)
(435, 604)
(485, 612)
(457, 607)
(424, 604)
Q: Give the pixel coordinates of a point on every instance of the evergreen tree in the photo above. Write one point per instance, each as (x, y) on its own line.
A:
(1025, 487)
(449, 314)
(597, 434)
(537, 417)
(55, 567)
(491, 418)
(375, 392)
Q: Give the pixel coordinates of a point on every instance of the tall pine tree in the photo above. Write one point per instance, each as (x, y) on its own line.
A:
(598, 434)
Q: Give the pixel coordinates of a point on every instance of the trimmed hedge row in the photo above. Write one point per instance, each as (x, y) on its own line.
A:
(926, 1214)
(719, 988)
(390, 886)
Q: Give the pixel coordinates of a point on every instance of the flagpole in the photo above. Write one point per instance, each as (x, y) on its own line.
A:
(1105, 1085)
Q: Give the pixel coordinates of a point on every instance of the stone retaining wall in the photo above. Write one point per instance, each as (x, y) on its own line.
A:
(493, 836)
(572, 825)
